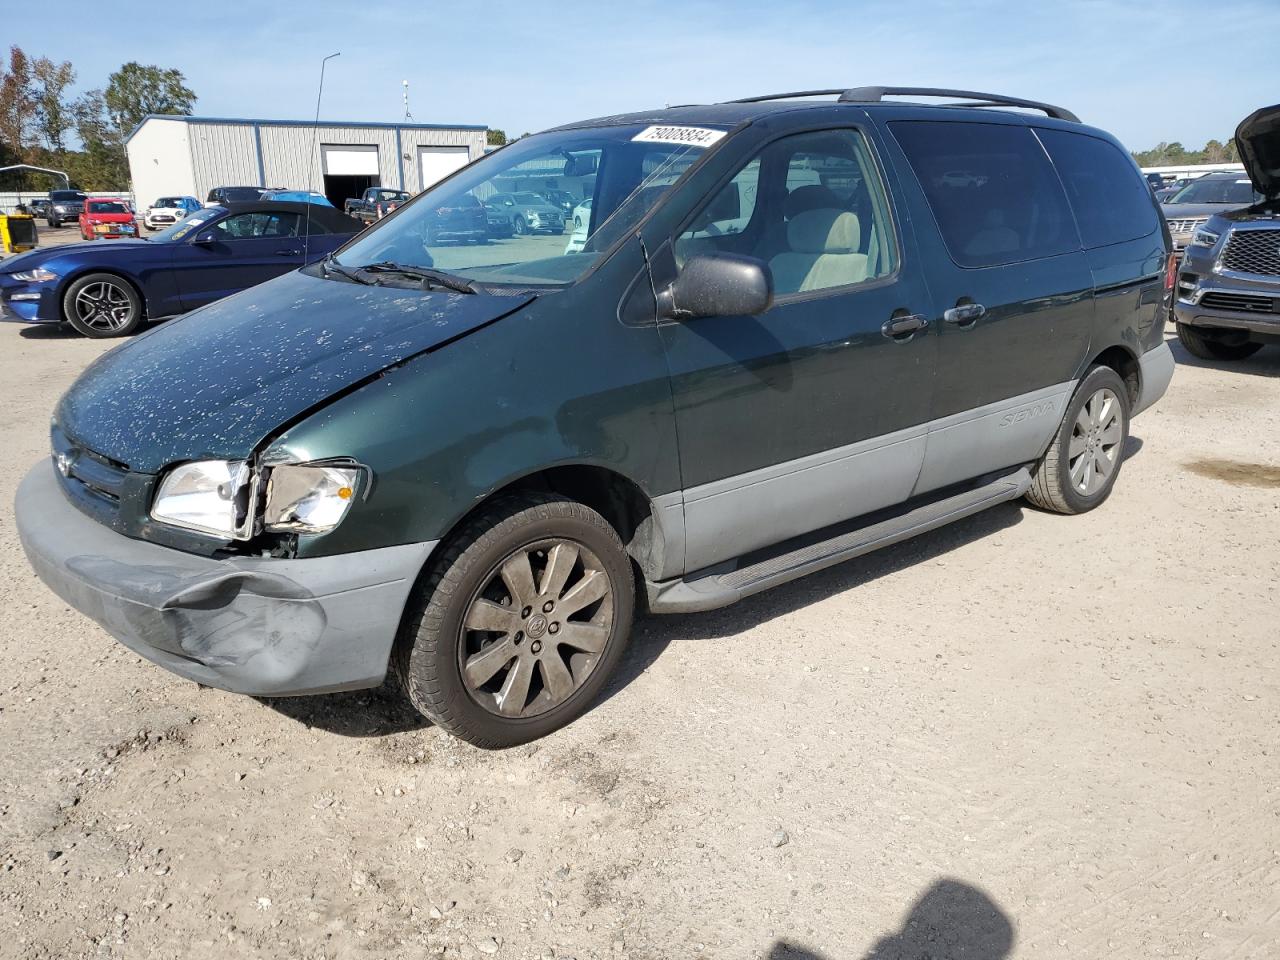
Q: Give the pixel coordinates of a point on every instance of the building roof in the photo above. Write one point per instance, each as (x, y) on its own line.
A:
(254, 121)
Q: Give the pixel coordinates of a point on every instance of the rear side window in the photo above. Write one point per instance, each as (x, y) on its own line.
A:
(1111, 201)
(992, 190)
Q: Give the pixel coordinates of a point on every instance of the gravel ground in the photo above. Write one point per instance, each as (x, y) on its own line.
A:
(1024, 735)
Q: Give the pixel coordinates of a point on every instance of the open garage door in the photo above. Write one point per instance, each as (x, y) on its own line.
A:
(436, 163)
(348, 170)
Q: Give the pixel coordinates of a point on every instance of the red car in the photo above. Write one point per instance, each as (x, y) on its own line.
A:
(107, 217)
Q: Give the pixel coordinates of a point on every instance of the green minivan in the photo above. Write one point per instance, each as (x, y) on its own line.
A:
(799, 328)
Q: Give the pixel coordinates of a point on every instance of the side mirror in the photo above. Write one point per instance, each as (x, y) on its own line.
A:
(720, 285)
(205, 239)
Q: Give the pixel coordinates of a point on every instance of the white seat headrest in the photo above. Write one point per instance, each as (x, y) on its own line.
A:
(824, 231)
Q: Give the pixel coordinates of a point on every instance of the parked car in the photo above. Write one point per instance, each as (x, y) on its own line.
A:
(167, 211)
(106, 290)
(562, 200)
(375, 203)
(298, 196)
(1191, 207)
(498, 220)
(582, 215)
(412, 458)
(526, 212)
(1228, 292)
(64, 205)
(221, 196)
(39, 207)
(106, 218)
(464, 218)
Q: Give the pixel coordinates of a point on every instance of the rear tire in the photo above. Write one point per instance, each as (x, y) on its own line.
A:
(507, 585)
(1205, 348)
(1079, 470)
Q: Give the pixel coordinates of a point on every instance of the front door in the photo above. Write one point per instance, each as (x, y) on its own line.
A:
(1012, 292)
(240, 250)
(812, 412)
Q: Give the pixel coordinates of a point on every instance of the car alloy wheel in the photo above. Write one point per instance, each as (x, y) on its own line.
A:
(533, 633)
(1094, 448)
(520, 227)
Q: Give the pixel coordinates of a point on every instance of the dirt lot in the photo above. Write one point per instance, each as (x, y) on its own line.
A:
(1024, 735)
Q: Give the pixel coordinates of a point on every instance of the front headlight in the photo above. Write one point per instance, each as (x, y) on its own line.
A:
(1204, 238)
(38, 275)
(210, 496)
(311, 498)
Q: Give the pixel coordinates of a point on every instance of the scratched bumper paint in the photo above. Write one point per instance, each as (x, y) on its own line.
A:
(260, 626)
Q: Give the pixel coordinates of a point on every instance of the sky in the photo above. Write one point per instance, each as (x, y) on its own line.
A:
(1179, 70)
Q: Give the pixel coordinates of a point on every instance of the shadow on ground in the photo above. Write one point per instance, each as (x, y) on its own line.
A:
(951, 921)
(1264, 363)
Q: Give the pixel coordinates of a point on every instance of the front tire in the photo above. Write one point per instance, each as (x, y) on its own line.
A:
(1205, 348)
(102, 305)
(1079, 470)
(519, 623)
(520, 227)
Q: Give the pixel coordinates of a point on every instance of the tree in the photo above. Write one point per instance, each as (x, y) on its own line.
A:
(53, 115)
(135, 90)
(496, 138)
(18, 106)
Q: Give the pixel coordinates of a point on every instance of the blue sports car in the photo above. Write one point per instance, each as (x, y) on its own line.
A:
(108, 289)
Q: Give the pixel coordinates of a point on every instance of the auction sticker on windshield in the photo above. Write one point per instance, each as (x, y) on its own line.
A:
(688, 136)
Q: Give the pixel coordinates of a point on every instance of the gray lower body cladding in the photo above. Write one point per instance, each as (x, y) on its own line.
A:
(260, 626)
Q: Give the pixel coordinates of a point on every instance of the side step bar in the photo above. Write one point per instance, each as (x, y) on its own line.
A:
(728, 582)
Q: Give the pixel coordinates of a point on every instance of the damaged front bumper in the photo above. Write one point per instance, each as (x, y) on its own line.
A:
(254, 625)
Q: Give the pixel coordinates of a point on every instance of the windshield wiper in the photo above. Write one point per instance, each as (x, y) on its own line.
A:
(330, 264)
(429, 276)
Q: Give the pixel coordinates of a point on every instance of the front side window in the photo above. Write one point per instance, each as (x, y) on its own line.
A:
(993, 193)
(491, 221)
(251, 226)
(1111, 201)
(812, 206)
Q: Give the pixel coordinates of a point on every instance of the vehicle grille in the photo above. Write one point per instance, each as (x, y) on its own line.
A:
(1241, 302)
(1253, 251)
(1187, 225)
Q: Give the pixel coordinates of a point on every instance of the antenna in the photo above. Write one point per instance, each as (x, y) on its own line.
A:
(408, 117)
(315, 144)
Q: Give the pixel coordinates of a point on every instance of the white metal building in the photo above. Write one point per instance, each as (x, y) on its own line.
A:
(189, 156)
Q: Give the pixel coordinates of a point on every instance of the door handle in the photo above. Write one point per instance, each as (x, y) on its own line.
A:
(964, 314)
(904, 328)
(288, 253)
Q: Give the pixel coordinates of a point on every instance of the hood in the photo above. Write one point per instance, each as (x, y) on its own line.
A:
(1188, 211)
(215, 383)
(38, 257)
(1258, 140)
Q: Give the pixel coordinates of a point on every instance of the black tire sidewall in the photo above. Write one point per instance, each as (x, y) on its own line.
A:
(1095, 380)
(438, 656)
(68, 307)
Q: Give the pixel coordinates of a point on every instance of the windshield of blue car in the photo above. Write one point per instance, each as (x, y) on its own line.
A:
(520, 238)
(184, 227)
(1238, 190)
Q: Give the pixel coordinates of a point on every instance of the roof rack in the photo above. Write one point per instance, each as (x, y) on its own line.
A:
(877, 94)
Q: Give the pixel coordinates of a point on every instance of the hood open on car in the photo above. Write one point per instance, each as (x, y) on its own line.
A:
(1258, 140)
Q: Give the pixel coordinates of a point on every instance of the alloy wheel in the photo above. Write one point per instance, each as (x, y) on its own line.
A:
(1094, 449)
(536, 628)
(103, 306)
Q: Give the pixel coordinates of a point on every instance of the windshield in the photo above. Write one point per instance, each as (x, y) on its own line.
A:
(184, 227)
(97, 206)
(168, 202)
(521, 239)
(1218, 191)
(240, 194)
